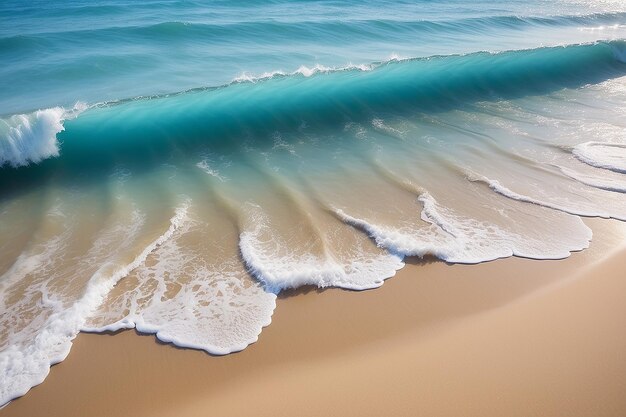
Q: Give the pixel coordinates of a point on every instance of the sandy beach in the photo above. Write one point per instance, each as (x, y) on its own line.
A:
(512, 337)
(344, 208)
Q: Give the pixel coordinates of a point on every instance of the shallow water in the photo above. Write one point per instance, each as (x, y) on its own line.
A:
(218, 154)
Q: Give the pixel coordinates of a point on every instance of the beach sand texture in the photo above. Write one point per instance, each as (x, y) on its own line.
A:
(425, 199)
(512, 337)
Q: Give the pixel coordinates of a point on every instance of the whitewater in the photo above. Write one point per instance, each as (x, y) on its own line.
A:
(174, 171)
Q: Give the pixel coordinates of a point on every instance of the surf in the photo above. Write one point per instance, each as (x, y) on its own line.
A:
(220, 116)
(186, 201)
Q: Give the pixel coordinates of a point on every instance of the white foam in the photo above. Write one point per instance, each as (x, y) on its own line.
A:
(618, 50)
(394, 57)
(459, 239)
(400, 241)
(317, 69)
(580, 208)
(190, 297)
(205, 165)
(31, 138)
(611, 156)
(303, 70)
(245, 77)
(280, 269)
(380, 125)
(603, 183)
(26, 359)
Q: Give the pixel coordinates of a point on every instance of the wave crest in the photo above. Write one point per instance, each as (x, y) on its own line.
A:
(31, 138)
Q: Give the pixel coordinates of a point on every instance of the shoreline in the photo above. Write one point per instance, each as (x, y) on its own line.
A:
(436, 339)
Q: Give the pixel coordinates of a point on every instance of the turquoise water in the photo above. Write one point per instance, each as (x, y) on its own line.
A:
(63, 52)
(172, 166)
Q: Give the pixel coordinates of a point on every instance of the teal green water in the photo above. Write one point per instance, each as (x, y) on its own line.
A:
(57, 54)
(172, 166)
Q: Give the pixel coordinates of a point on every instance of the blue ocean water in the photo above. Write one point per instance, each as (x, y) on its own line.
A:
(63, 52)
(171, 166)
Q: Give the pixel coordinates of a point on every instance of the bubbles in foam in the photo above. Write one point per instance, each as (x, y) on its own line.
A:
(190, 287)
(453, 237)
(380, 125)
(248, 78)
(44, 319)
(303, 70)
(581, 206)
(279, 265)
(601, 182)
(206, 167)
(190, 296)
(31, 138)
(611, 156)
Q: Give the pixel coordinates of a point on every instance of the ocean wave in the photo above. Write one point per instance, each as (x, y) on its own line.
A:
(188, 215)
(211, 283)
(326, 97)
(175, 31)
(31, 138)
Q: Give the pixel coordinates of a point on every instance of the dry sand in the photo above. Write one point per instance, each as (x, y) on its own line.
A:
(514, 337)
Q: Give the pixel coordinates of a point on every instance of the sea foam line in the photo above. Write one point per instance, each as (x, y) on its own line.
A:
(306, 71)
(606, 184)
(23, 368)
(280, 272)
(605, 155)
(496, 186)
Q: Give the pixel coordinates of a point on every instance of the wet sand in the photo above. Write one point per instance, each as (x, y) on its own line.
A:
(513, 337)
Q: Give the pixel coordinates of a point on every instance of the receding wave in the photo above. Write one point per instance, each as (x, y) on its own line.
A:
(611, 156)
(25, 360)
(184, 215)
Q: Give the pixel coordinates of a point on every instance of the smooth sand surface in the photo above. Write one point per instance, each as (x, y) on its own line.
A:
(513, 337)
